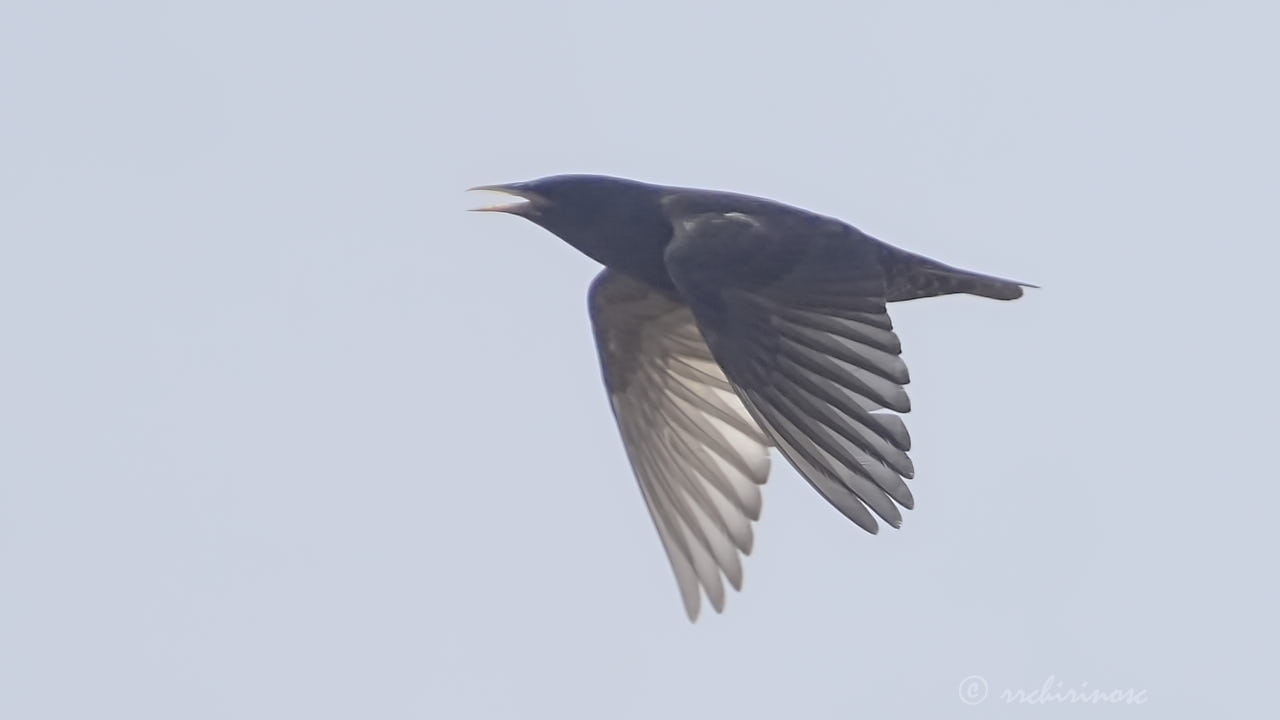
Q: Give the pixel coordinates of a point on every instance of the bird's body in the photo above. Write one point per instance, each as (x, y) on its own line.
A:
(727, 324)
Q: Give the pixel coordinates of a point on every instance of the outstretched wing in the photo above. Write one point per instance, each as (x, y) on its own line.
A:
(696, 452)
(793, 308)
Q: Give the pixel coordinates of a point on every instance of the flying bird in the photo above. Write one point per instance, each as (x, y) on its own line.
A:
(728, 324)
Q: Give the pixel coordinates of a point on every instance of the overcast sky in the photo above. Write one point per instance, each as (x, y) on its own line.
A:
(286, 433)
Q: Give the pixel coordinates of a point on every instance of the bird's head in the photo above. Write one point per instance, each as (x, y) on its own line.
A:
(618, 222)
(572, 201)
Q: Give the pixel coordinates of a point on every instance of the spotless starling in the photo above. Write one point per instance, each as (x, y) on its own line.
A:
(727, 324)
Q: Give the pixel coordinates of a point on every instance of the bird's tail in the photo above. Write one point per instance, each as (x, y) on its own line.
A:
(909, 276)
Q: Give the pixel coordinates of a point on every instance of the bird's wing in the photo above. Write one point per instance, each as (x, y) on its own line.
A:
(793, 308)
(699, 457)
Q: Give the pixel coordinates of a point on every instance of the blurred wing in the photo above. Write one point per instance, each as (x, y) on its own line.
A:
(699, 457)
(793, 308)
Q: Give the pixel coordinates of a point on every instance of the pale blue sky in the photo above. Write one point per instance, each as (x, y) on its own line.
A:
(286, 433)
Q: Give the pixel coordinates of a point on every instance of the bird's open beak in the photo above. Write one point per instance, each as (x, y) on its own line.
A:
(530, 202)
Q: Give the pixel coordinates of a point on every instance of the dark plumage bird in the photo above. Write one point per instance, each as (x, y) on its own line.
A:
(727, 324)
